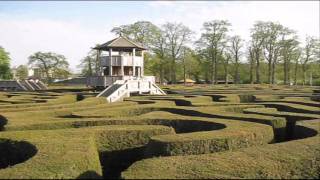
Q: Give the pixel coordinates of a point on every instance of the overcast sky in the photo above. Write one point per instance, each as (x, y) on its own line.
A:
(72, 28)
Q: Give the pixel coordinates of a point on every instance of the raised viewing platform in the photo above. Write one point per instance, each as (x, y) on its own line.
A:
(105, 81)
(121, 61)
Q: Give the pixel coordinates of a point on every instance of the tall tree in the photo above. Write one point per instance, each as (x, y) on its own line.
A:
(60, 73)
(177, 36)
(252, 63)
(150, 36)
(296, 55)
(205, 62)
(48, 62)
(159, 48)
(22, 72)
(226, 60)
(288, 44)
(310, 54)
(214, 40)
(235, 47)
(272, 33)
(5, 72)
(89, 65)
(142, 32)
(190, 64)
(257, 41)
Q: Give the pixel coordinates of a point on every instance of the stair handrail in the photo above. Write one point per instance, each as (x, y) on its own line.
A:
(34, 85)
(28, 85)
(159, 89)
(21, 85)
(109, 98)
(122, 87)
(40, 83)
(105, 90)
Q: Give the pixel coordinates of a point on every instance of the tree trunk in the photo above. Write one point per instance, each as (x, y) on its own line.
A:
(170, 72)
(215, 70)
(251, 73)
(273, 72)
(206, 76)
(285, 70)
(288, 73)
(48, 76)
(295, 73)
(184, 71)
(212, 70)
(258, 67)
(310, 81)
(174, 80)
(304, 73)
(226, 73)
(269, 69)
(46, 71)
(236, 75)
(161, 73)
(251, 67)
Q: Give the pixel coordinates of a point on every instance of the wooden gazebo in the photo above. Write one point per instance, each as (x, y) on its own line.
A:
(121, 70)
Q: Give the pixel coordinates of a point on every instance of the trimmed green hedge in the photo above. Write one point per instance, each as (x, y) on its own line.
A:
(73, 153)
(80, 136)
(293, 159)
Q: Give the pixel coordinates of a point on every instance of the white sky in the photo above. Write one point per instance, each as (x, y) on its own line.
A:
(71, 28)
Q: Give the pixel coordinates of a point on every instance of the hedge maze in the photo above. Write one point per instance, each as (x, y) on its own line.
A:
(193, 132)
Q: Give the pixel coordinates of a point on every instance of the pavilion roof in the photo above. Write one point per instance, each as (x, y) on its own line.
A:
(120, 43)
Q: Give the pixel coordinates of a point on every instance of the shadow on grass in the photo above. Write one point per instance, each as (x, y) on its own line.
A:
(3, 122)
(114, 162)
(178, 102)
(216, 98)
(89, 175)
(301, 132)
(15, 152)
(285, 108)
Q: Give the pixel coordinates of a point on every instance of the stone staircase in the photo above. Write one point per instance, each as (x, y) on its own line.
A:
(41, 85)
(22, 85)
(27, 85)
(123, 88)
(108, 91)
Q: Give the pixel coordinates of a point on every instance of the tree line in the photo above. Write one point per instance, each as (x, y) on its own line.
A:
(273, 53)
(50, 66)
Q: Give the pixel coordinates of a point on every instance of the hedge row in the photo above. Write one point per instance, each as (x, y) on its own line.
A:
(292, 159)
(73, 153)
(198, 134)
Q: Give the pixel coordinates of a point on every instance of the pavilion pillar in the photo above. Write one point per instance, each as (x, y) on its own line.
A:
(142, 65)
(121, 65)
(98, 61)
(133, 57)
(110, 57)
